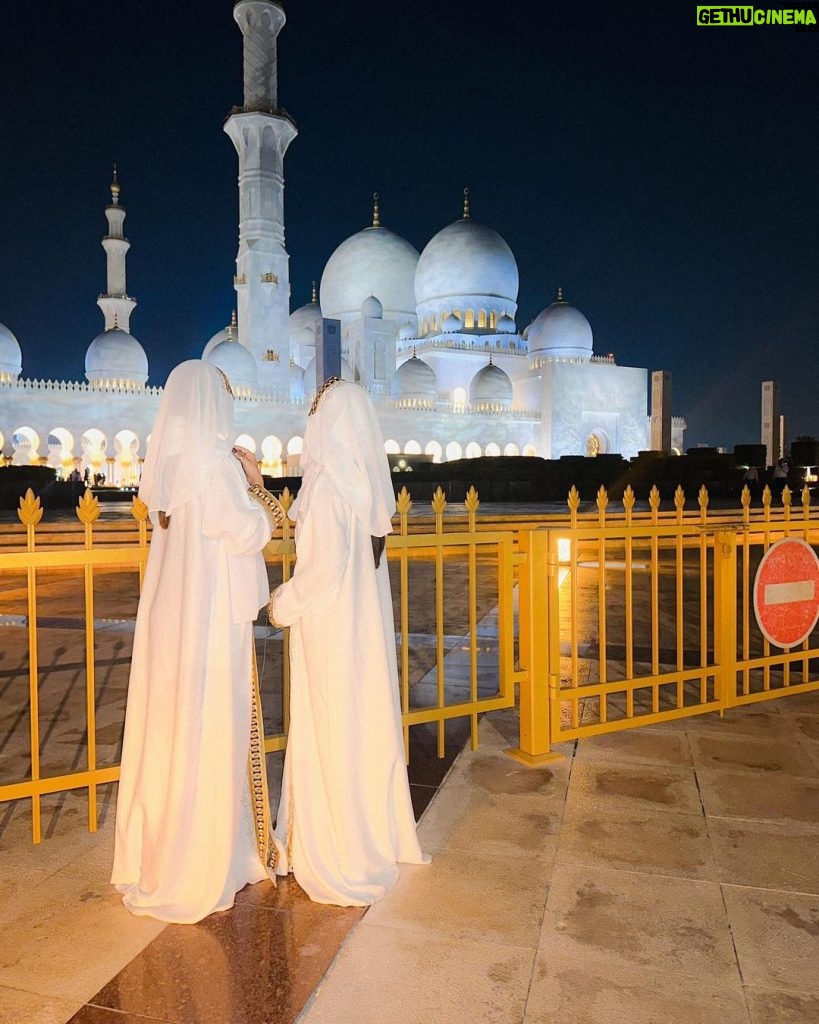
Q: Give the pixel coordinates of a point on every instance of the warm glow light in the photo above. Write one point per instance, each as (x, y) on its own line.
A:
(392, 447)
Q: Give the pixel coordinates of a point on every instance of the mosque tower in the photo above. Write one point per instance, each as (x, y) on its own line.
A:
(261, 133)
(115, 303)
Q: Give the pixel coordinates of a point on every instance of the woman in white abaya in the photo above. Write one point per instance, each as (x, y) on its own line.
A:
(345, 817)
(187, 838)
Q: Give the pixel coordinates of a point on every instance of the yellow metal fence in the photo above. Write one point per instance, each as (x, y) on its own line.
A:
(595, 622)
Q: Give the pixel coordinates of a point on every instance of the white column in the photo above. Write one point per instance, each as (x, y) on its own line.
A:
(115, 303)
(261, 134)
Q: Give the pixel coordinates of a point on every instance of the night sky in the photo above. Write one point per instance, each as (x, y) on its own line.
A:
(663, 174)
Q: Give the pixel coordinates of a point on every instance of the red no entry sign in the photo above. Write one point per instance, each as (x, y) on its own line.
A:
(786, 592)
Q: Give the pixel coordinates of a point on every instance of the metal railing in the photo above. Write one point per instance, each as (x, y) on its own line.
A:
(625, 618)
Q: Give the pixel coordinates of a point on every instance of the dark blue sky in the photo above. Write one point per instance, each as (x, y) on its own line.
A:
(663, 174)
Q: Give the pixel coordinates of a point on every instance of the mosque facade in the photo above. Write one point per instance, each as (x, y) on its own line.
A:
(432, 336)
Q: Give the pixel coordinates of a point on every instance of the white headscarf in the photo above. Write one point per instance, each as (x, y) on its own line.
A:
(194, 429)
(343, 439)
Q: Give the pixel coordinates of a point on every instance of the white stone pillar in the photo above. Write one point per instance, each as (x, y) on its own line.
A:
(115, 303)
(261, 134)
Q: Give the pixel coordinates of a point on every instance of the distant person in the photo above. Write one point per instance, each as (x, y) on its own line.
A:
(193, 825)
(780, 477)
(750, 478)
(345, 816)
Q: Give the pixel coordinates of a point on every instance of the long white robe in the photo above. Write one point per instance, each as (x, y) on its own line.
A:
(345, 816)
(184, 832)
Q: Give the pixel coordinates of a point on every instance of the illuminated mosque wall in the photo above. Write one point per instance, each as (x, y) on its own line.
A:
(432, 336)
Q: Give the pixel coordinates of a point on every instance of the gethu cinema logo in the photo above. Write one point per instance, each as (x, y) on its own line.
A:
(796, 16)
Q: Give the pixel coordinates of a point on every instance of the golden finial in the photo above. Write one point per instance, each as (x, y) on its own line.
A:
(115, 188)
(490, 359)
(231, 325)
(414, 356)
(560, 295)
(314, 297)
(466, 204)
(376, 211)
(116, 325)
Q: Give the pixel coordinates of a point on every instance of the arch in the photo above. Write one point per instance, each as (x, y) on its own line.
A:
(473, 450)
(94, 446)
(453, 451)
(511, 449)
(493, 320)
(126, 460)
(481, 318)
(492, 449)
(60, 451)
(458, 397)
(469, 318)
(529, 450)
(272, 447)
(246, 441)
(412, 448)
(434, 449)
(25, 443)
(392, 447)
(294, 445)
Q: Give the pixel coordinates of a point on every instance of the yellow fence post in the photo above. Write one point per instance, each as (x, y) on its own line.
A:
(725, 618)
(538, 608)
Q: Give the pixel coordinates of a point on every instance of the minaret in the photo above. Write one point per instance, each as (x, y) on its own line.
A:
(261, 134)
(115, 303)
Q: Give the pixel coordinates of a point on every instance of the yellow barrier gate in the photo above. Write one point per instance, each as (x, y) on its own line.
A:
(624, 619)
(650, 618)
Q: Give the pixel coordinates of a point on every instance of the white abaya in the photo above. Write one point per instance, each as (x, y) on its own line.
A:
(184, 833)
(345, 816)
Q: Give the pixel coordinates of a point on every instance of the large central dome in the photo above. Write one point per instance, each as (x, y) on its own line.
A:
(466, 259)
(376, 262)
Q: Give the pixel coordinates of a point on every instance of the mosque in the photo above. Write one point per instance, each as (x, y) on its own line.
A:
(432, 336)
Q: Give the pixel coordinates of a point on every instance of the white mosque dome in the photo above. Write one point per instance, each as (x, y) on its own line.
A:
(406, 332)
(451, 323)
(506, 325)
(310, 375)
(304, 318)
(561, 331)
(238, 364)
(414, 380)
(375, 261)
(466, 259)
(490, 386)
(229, 333)
(371, 307)
(115, 357)
(11, 358)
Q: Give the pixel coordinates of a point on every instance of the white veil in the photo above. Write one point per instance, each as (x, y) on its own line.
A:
(343, 439)
(193, 430)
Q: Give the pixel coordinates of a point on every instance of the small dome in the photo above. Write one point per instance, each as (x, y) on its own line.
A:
(116, 356)
(11, 360)
(406, 332)
(305, 318)
(310, 375)
(561, 331)
(372, 307)
(466, 258)
(451, 323)
(238, 365)
(490, 386)
(506, 325)
(415, 380)
(228, 333)
(375, 261)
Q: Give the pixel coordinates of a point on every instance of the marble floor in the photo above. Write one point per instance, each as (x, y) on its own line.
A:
(669, 873)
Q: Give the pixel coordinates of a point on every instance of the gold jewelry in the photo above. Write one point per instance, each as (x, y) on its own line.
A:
(327, 384)
(269, 503)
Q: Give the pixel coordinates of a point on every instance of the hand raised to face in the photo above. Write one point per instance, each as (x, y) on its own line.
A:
(250, 467)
